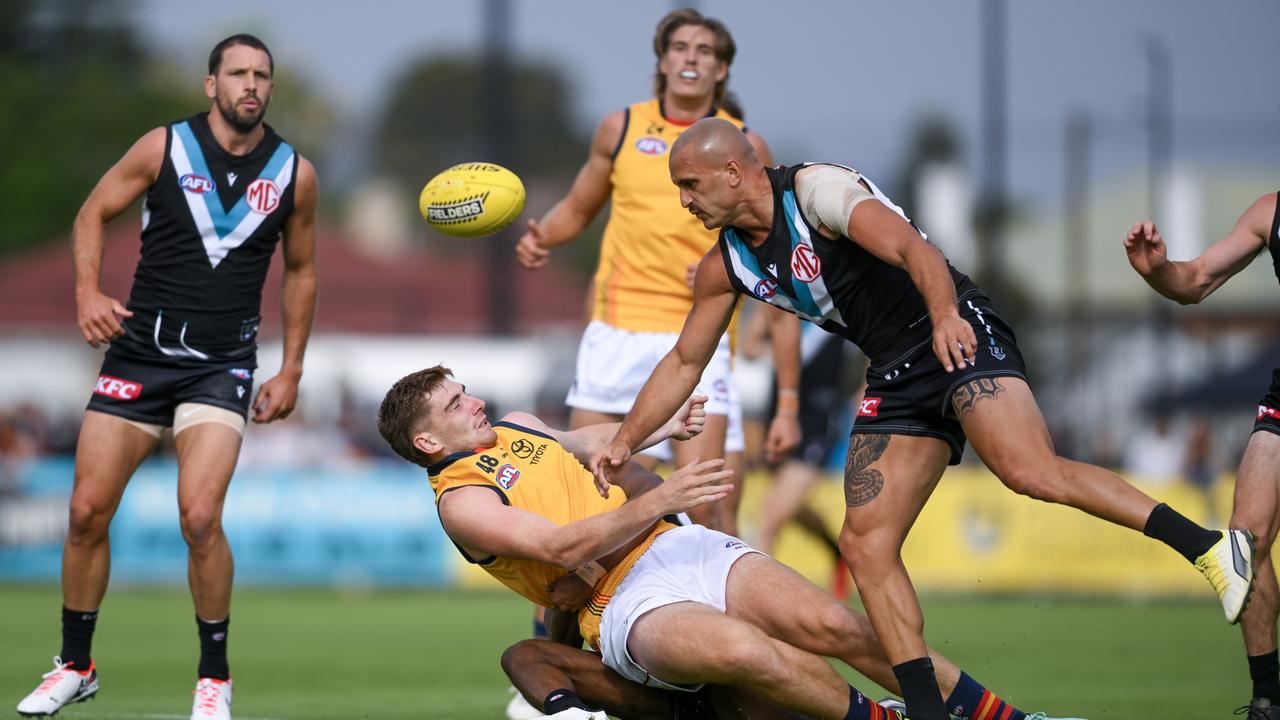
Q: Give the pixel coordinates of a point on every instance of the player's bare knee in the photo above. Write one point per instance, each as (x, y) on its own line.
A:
(1039, 482)
(748, 659)
(866, 552)
(201, 525)
(837, 627)
(526, 653)
(1260, 523)
(88, 520)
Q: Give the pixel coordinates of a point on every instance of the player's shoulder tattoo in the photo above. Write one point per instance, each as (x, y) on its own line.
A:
(863, 483)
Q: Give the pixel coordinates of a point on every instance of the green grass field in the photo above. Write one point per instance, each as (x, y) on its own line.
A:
(434, 654)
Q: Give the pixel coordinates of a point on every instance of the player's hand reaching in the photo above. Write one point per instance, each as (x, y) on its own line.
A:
(954, 342)
(276, 397)
(689, 419)
(569, 593)
(529, 249)
(783, 437)
(694, 484)
(1145, 248)
(99, 317)
(606, 462)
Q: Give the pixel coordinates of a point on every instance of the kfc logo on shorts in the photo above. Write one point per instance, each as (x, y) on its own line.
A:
(869, 407)
(263, 196)
(805, 265)
(193, 183)
(1264, 411)
(114, 387)
(766, 289)
(507, 476)
(651, 146)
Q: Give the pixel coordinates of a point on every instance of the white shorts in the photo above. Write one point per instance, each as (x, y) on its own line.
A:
(687, 564)
(614, 364)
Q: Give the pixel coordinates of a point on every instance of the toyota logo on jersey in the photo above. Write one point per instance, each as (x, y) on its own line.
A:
(263, 196)
(805, 265)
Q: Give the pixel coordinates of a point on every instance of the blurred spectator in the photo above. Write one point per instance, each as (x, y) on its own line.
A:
(1156, 455)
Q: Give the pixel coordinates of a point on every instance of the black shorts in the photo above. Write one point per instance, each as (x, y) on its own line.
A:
(911, 395)
(1269, 407)
(148, 392)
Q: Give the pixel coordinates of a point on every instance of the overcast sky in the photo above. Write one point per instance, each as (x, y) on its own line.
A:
(828, 79)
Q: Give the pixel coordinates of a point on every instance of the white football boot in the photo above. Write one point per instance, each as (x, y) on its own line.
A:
(580, 714)
(213, 700)
(520, 709)
(62, 686)
(1228, 566)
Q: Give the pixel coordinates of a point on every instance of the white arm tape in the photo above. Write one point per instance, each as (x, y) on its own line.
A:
(828, 194)
(591, 573)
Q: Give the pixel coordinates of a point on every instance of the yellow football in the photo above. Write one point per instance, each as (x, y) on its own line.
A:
(472, 199)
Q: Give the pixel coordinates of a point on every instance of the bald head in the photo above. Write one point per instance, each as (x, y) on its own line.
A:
(716, 169)
(713, 142)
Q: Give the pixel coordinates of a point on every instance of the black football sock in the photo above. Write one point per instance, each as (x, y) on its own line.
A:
(77, 637)
(213, 649)
(920, 690)
(1265, 672)
(562, 699)
(1171, 528)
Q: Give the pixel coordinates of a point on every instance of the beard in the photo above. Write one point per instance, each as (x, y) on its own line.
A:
(242, 121)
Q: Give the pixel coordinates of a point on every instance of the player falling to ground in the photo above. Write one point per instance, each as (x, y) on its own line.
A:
(668, 606)
(824, 243)
(1257, 496)
(220, 189)
(641, 291)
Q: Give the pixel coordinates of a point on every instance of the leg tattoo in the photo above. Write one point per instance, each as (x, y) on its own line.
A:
(968, 394)
(863, 483)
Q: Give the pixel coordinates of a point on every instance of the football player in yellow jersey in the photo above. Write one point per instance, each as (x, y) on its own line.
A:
(641, 295)
(667, 606)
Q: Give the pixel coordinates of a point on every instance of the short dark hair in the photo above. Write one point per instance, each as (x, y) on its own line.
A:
(725, 48)
(215, 56)
(404, 411)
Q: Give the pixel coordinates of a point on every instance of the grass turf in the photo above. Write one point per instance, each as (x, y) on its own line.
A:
(434, 654)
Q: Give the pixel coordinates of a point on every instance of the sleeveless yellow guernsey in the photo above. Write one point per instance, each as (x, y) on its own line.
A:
(650, 240)
(531, 471)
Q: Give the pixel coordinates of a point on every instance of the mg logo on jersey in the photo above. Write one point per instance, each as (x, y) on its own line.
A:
(507, 476)
(651, 146)
(766, 289)
(114, 387)
(194, 183)
(805, 265)
(1264, 411)
(869, 407)
(263, 196)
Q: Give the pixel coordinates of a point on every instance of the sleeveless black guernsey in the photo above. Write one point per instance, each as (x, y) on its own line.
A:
(210, 224)
(835, 284)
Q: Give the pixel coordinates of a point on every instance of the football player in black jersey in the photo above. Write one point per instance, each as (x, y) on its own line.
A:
(1257, 497)
(221, 189)
(822, 241)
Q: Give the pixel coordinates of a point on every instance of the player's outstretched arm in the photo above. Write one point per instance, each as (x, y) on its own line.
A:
(584, 442)
(1191, 281)
(589, 192)
(97, 314)
(678, 372)
(478, 520)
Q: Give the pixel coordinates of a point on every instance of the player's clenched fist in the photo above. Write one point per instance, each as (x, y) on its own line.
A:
(529, 249)
(99, 317)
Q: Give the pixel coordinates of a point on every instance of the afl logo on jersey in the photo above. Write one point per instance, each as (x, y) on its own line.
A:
(194, 183)
(507, 476)
(263, 196)
(651, 146)
(805, 265)
(766, 289)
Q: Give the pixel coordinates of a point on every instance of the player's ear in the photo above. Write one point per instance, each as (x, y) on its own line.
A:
(733, 171)
(427, 443)
(210, 86)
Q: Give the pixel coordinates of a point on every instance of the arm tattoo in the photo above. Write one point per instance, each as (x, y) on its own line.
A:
(968, 394)
(863, 483)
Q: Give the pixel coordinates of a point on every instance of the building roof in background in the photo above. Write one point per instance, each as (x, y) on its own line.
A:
(430, 291)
